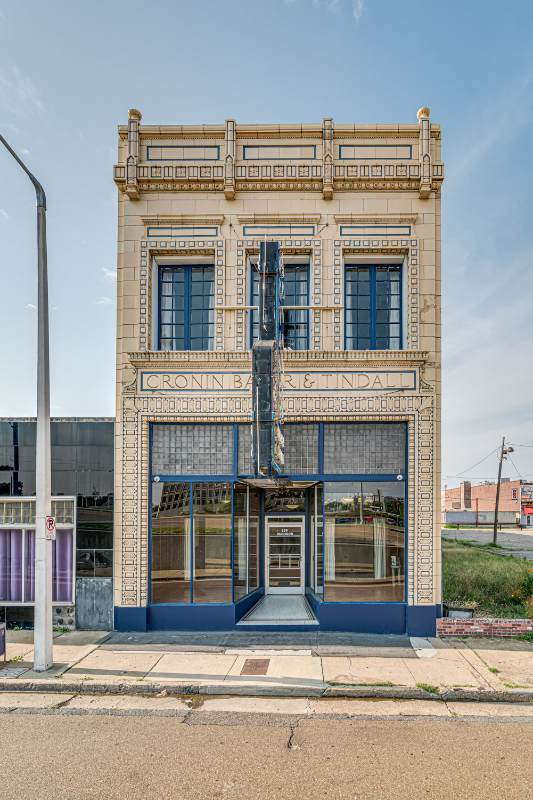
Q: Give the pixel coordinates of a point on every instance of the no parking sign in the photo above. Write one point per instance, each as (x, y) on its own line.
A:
(51, 528)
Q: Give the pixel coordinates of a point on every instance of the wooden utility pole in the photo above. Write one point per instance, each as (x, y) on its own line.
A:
(502, 454)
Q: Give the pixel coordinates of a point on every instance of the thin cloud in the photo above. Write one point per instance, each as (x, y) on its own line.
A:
(358, 9)
(103, 301)
(18, 94)
(109, 275)
(30, 305)
(4, 214)
(335, 5)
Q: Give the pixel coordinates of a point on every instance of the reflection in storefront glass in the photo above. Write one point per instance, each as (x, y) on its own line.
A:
(277, 500)
(254, 550)
(212, 542)
(240, 513)
(364, 542)
(171, 543)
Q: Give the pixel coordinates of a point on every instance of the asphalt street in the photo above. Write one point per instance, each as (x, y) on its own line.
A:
(249, 756)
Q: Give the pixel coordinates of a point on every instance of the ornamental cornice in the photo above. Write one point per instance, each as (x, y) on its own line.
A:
(266, 218)
(339, 359)
(375, 217)
(183, 219)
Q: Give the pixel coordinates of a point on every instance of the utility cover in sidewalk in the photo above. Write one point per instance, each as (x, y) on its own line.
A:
(13, 672)
(255, 666)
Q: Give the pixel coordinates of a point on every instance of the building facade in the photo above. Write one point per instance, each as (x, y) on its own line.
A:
(351, 528)
(476, 504)
(82, 473)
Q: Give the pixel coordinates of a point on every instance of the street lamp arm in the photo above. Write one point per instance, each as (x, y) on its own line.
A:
(39, 191)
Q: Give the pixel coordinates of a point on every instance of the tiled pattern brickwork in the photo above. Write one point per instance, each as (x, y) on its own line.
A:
(494, 628)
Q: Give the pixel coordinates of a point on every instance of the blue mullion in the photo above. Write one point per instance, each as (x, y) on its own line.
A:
(191, 545)
(373, 309)
(406, 513)
(324, 544)
(232, 543)
(187, 310)
(307, 302)
(235, 449)
(197, 478)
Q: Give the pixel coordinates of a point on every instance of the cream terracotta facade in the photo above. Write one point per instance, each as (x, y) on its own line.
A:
(355, 199)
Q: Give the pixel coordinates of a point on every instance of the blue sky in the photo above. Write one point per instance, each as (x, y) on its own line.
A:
(70, 71)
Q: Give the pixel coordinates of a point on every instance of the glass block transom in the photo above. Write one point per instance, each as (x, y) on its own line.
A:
(192, 449)
(364, 448)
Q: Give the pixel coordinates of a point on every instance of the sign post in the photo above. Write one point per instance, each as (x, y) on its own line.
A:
(42, 634)
(50, 528)
(3, 640)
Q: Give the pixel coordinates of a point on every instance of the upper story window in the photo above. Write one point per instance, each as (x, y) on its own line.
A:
(187, 308)
(373, 307)
(296, 321)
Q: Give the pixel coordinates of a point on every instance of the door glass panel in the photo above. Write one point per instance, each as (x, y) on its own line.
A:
(284, 555)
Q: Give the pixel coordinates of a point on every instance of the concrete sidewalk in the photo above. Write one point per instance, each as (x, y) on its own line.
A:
(268, 664)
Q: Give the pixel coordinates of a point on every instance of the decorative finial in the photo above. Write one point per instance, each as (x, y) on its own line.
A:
(134, 114)
(423, 112)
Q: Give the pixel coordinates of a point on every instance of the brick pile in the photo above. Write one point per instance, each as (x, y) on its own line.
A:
(449, 626)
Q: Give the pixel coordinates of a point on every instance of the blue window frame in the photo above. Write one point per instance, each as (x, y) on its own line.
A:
(296, 321)
(373, 307)
(187, 308)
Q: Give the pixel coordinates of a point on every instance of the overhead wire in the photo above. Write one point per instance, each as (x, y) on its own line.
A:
(461, 475)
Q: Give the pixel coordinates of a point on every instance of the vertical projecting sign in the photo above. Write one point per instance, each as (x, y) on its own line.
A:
(267, 365)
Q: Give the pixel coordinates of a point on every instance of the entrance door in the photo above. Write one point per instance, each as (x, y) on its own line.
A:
(284, 538)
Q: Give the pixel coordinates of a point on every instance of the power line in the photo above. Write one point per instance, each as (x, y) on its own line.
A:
(514, 465)
(521, 445)
(460, 475)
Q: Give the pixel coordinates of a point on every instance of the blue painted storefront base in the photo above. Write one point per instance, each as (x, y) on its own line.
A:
(394, 618)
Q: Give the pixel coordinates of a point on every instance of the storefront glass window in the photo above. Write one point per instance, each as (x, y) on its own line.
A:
(254, 549)
(17, 565)
(364, 542)
(171, 543)
(319, 500)
(212, 542)
(291, 500)
(240, 540)
(11, 564)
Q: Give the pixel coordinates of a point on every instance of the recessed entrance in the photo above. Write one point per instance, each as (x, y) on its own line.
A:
(284, 557)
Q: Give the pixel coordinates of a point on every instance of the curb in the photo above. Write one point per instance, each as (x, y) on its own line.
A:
(173, 688)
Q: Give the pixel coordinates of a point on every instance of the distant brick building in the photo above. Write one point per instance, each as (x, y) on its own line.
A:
(465, 497)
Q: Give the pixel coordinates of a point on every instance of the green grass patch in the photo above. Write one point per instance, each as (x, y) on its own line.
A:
(500, 587)
(493, 670)
(524, 637)
(428, 688)
(516, 686)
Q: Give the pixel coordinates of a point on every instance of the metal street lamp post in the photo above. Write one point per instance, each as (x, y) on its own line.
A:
(43, 652)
